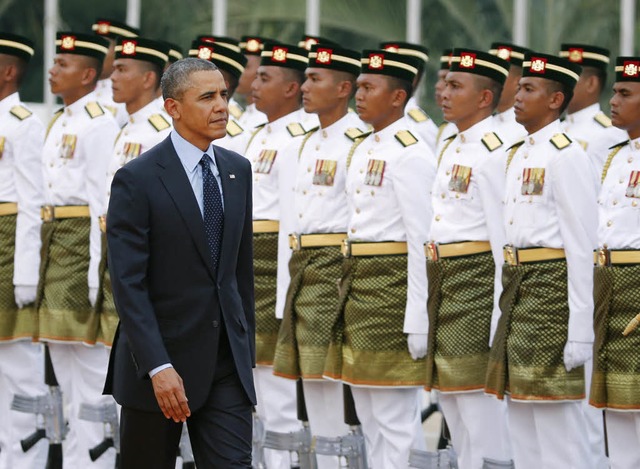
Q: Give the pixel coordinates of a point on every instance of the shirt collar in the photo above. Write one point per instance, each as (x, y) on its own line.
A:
(544, 134)
(477, 130)
(78, 105)
(584, 114)
(189, 154)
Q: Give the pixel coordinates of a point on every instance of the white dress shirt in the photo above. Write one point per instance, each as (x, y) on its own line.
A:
(563, 215)
(75, 160)
(21, 141)
(395, 207)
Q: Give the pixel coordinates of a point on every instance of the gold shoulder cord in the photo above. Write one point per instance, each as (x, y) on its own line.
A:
(440, 130)
(53, 121)
(353, 150)
(444, 148)
(304, 141)
(605, 169)
(253, 135)
(512, 153)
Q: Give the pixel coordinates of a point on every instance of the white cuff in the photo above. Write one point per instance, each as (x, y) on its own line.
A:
(158, 369)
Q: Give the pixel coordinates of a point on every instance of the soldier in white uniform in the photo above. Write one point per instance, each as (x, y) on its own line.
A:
(505, 119)
(616, 383)
(276, 92)
(464, 265)
(175, 54)
(137, 70)
(75, 160)
(314, 219)
(380, 342)
(21, 361)
(585, 121)
(445, 129)
(252, 47)
(423, 125)
(111, 30)
(545, 332)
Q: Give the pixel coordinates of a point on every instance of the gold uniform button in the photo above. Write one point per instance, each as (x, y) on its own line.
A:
(621, 180)
(377, 138)
(264, 141)
(357, 210)
(361, 171)
(308, 170)
(317, 147)
(511, 222)
(458, 150)
(615, 202)
(304, 192)
(373, 193)
(357, 191)
(457, 196)
(437, 217)
(609, 223)
(448, 173)
(299, 215)
(462, 139)
(634, 204)
(324, 133)
(630, 159)
(370, 152)
(531, 141)
(353, 230)
(443, 195)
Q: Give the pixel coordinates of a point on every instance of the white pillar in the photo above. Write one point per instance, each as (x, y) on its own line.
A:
(219, 22)
(50, 28)
(312, 25)
(133, 13)
(520, 25)
(414, 21)
(627, 26)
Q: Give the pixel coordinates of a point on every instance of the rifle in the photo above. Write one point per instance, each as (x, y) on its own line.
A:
(108, 415)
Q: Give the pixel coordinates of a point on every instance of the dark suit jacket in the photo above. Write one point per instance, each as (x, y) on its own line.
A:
(169, 299)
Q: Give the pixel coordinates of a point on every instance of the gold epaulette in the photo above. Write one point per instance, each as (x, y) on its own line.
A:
(406, 138)
(233, 128)
(354, 133)
(602, 119)
(491, 141)
(159, 122)
(614, 151)
(296, 129)
(20, 112)
(94, 109)
(512, 151)
(235, 110)
(418, 115)
(560, 141)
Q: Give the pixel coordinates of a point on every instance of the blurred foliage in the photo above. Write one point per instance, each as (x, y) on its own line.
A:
(357, 24)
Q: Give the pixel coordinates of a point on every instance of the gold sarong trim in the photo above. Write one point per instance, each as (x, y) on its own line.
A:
(49, 213)
(435, 251)
(266, 226)
(8, 208)
(518, 256)
(319, 240)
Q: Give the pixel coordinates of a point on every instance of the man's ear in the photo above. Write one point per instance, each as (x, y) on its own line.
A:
(556, 99)
(291, 89)
(173, 108)
(398, 97)
(89, 76)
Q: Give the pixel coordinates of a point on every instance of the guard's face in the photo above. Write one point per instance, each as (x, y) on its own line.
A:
(460, 98)
(510, 87)
(625, 105)
(533, 99)
(373, 98)
(268, 89)
(67, 74)
(127, 80)
(249, 74)
(200, 115)
(319, 90)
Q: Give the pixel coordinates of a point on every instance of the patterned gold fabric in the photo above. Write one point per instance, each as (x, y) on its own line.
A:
(526, 358)
(616, 367)
(368, 346)
(105, 306)
(14, 324)
(64, 311)
(265, 262)
(460, 305)
(310, 313)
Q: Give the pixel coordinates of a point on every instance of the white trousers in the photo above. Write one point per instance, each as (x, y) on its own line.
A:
(549, 435)
(479, 427)
(623, 432)
(21, 372)
(81, 371)
(324, 400)
(594, 425)
(277, 410)
(391, 424)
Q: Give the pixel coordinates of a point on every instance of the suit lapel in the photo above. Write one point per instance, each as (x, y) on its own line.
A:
(175, 180)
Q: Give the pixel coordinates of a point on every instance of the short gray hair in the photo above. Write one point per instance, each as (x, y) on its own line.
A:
(176, 78)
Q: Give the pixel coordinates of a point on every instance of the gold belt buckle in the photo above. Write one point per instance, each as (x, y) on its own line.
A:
(603, 257)
(345, 247)
(47, 213)
(294, 242)
(432, 251)
(510, 255)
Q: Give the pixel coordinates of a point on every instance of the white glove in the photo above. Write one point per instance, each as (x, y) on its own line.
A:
(93, 295)
(24, 295)
(417, 345)
(576, 354)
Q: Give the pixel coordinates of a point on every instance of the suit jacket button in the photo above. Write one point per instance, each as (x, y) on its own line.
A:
(215, 323)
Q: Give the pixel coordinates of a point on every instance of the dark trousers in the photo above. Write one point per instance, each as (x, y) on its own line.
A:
(220, 431)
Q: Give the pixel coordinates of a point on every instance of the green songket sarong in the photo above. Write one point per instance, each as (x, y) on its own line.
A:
(616, 362)
(64, 311)
(105, 305)
(265, 263)
(460, 306)
(368, 345)
(526, 358)
(310, 313)
(14, 323)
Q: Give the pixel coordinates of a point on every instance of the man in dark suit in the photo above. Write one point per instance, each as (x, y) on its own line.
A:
(179, 234)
